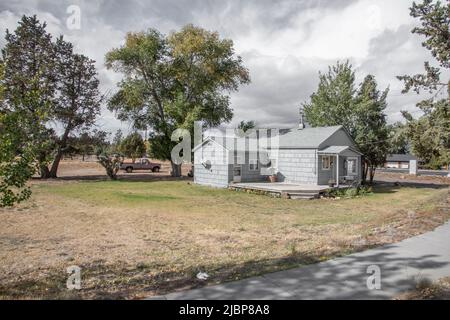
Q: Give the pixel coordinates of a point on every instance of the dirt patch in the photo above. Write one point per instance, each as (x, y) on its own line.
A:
(91, 170)
(407, 178)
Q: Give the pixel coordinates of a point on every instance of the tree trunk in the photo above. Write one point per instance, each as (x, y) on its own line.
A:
(176, 170)
(365, 170)
(59, 154)
(54, 170)
(44, 172)
(372, 173)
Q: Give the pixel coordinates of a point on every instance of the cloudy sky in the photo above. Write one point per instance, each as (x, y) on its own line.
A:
(284, 44)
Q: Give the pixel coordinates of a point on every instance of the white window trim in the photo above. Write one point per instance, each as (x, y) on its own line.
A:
(253, 162)
(329, 163)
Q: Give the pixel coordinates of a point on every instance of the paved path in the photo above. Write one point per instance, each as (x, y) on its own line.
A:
(401, 264)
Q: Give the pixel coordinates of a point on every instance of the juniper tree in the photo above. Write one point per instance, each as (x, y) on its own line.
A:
(430, 134)
(78, 100)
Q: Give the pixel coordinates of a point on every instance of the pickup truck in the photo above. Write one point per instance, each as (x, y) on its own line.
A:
(140, 164)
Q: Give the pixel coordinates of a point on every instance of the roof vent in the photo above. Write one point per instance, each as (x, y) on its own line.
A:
(301, 124)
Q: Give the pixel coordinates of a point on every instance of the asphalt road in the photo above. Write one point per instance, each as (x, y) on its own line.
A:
(441, 173)
(398, 267)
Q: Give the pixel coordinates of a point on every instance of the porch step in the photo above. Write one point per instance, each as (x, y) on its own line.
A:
(304, 195)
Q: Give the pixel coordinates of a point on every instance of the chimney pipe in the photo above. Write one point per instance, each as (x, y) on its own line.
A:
(301, 124)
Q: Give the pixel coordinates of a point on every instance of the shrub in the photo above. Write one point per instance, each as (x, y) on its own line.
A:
(111, 164)
(349, 192)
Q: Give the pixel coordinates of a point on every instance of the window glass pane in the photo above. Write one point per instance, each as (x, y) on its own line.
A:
(253, 164)
(326, 163)
(351, 163)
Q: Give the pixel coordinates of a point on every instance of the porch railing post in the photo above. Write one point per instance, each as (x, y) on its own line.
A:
(337, 170)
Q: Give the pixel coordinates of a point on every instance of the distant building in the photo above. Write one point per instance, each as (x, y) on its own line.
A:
(399, 161)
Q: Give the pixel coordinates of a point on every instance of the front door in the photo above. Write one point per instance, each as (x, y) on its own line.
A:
(237, 173)
(352, 166)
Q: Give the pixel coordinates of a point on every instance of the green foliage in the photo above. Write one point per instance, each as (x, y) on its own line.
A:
(89, 142)
(349, 193)
(246, 125)
(16, 149)
(430, 134)
(117, 140)
(45, 83)
(133, 146)
(333, 103)
(435, 26)
(111, 163)
(360, 112)
(29, 84)
(16, 161)
(371, 131)
(78, 100)
(398, 139)
(170, 82)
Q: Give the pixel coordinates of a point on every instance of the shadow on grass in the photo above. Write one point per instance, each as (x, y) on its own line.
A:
(393, 187)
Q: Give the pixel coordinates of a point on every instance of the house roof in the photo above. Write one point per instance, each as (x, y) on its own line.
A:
(210, 139)
(338, 150)
(306, 138)
(400, 157)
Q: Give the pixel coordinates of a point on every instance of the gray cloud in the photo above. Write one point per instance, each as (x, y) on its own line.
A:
(283, 43)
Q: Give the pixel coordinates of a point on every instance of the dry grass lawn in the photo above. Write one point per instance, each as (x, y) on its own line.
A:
(135, 239)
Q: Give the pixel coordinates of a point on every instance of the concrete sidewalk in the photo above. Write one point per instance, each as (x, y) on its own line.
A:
(401, 264)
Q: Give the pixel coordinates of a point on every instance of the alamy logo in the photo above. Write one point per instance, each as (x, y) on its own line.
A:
(374, 281)
(73, 22)
(254, 142)
(74, 279)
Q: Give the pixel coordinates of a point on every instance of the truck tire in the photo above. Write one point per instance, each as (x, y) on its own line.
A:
(155, 169)
(129, 169)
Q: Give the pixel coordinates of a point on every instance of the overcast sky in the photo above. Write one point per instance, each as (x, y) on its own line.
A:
(284, 44)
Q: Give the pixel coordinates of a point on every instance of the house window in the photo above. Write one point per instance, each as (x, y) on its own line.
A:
(273, 163)
(326, 162)
(253, 165)
(351, 166)
(239, 159)
(237, 171)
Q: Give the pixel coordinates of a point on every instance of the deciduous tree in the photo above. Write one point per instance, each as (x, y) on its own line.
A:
(133, 146)
(246, 125)
(334, 101)
(360, 112)
(170, 82)
(371, 131)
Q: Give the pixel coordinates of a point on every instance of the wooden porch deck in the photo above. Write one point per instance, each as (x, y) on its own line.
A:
(284, 190)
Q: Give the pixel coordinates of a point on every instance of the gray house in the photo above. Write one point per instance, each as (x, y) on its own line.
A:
(303, 156)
